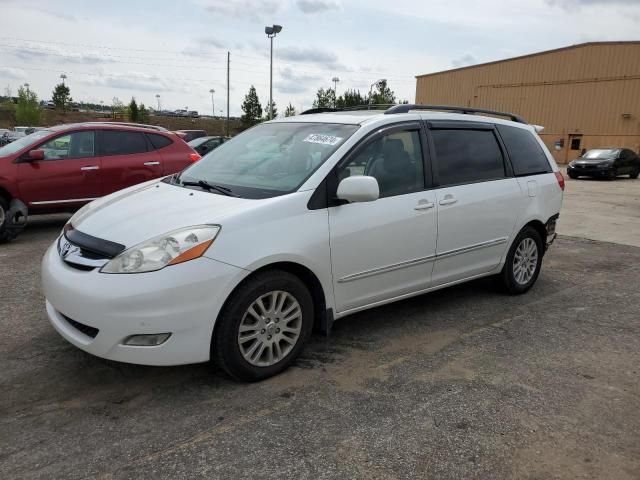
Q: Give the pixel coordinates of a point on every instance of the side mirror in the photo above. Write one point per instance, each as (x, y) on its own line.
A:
(360, 188)
(35, 155)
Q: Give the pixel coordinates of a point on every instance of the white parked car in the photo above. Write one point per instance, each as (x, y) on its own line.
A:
(297, 222)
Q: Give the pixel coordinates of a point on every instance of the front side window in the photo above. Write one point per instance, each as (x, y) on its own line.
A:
(115, 142)
(270, 159)
(71, 145)
(526, 154)
(394, 160)
(467, 156)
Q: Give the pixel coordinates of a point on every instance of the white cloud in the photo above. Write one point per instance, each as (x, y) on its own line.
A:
(241, 8)
(11, 73)
(318, 6)
(464, 61)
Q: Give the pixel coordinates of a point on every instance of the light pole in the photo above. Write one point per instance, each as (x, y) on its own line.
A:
(101, 106)
(213, 105)
(63, 77)
(271, 32)
(158, 98)
(371, 89)
(27, 87)
(335, 81)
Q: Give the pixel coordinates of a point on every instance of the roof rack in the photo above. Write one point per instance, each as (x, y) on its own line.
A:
(365, 106)
(131, 124)
(404, 108)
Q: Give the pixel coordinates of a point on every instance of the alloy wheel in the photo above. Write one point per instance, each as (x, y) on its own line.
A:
(270, 328)
(525, 261)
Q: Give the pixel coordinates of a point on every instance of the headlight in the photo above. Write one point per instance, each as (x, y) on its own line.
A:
(168, 249)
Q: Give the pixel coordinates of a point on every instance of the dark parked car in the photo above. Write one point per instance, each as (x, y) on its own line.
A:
(204, 145)
(188, 135)
(606, 163)
(62, 168)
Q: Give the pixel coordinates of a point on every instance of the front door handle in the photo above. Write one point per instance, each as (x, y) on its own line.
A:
(91, 167)
(424, 205)
(148, 164)
(448, 200)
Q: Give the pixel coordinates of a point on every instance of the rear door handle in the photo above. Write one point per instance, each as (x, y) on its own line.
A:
(424, 205)
(448, 200)
(148, 164)
(91, 167)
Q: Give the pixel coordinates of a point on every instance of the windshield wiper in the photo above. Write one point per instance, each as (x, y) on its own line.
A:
(211, 187)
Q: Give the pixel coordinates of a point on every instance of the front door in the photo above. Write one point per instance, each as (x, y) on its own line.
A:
(127, 158)
(385, 248)
(478, 201)
(69, 173)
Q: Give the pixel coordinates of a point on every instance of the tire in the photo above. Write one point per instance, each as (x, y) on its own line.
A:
(6, 234)
(510, 277)
(270, 339)
(572, 175)
(635, 173)
(612, 175)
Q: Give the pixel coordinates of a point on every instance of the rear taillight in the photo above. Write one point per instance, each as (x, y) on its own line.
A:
(560, 179)
(194, 157)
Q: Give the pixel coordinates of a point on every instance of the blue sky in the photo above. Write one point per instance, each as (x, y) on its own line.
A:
(178, 49)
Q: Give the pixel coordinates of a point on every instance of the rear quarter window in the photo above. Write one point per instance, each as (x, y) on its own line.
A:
(526, 154)
(159, 141)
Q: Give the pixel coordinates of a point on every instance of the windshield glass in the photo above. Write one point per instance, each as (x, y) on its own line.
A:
(22, 142)
(270, 159)
(601, 153)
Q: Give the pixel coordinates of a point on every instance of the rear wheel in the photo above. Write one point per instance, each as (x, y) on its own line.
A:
(263, 326)
(523, 262)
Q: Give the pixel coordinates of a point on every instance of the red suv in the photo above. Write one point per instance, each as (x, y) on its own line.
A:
(61, 168)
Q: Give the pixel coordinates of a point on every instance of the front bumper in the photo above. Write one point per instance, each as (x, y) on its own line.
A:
(183, 299)
(589, 171)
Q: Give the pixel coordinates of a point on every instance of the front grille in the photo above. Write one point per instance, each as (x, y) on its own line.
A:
(81, 327)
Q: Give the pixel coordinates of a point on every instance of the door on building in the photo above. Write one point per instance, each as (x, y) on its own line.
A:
(575, 147)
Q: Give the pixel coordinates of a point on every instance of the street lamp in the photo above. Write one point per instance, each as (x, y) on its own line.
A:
(371, 89)
(101, 106)
(158, 98)
(335, 81)
(271, 32)
(213, 106)
(63, 77)
(27, 86)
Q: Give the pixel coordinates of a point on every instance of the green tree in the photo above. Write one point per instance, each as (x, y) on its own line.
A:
(251, 108)
(7, 105)
(290, 111)
(350, 98)
(143, 114)
(382, 95)
(325, 98)
(266, 111)
(133, 110)
(61, 96)
(27, 110)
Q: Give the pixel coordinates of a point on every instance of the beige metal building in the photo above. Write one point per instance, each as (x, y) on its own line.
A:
(585, 96)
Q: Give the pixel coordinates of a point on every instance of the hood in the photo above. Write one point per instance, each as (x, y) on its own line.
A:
(592, 161)
(153, 208)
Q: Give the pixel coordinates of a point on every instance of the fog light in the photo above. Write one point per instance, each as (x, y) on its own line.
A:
(147, 340)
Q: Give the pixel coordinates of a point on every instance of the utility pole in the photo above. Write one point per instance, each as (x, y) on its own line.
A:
(228, 87)
(271, 32)
(335, 90)
(213, 105)
(158, 97)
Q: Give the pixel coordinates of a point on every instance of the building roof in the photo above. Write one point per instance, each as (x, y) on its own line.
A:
(545, 52)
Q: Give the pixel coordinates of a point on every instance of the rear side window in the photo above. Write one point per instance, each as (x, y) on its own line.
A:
(526, 154)
(467, 156)
(116, 142)
(159, 141)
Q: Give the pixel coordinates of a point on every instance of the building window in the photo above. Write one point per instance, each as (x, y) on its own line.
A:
(575, 144)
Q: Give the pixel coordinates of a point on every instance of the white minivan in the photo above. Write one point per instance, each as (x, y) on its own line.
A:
(298, 222)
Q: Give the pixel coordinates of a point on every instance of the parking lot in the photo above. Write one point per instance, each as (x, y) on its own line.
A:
(461, 383)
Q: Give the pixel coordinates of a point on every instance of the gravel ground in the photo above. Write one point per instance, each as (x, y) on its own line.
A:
(461, 383)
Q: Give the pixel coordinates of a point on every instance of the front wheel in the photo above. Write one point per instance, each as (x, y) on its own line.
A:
(9, 230)
(635, 173)
(523, 262)
(263, 326)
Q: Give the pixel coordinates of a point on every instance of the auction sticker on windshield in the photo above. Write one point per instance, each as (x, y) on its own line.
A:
(322, 139)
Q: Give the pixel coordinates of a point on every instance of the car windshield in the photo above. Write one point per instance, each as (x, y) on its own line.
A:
(270, 159)
(19, 144)
(196, 142)
(601, 153)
